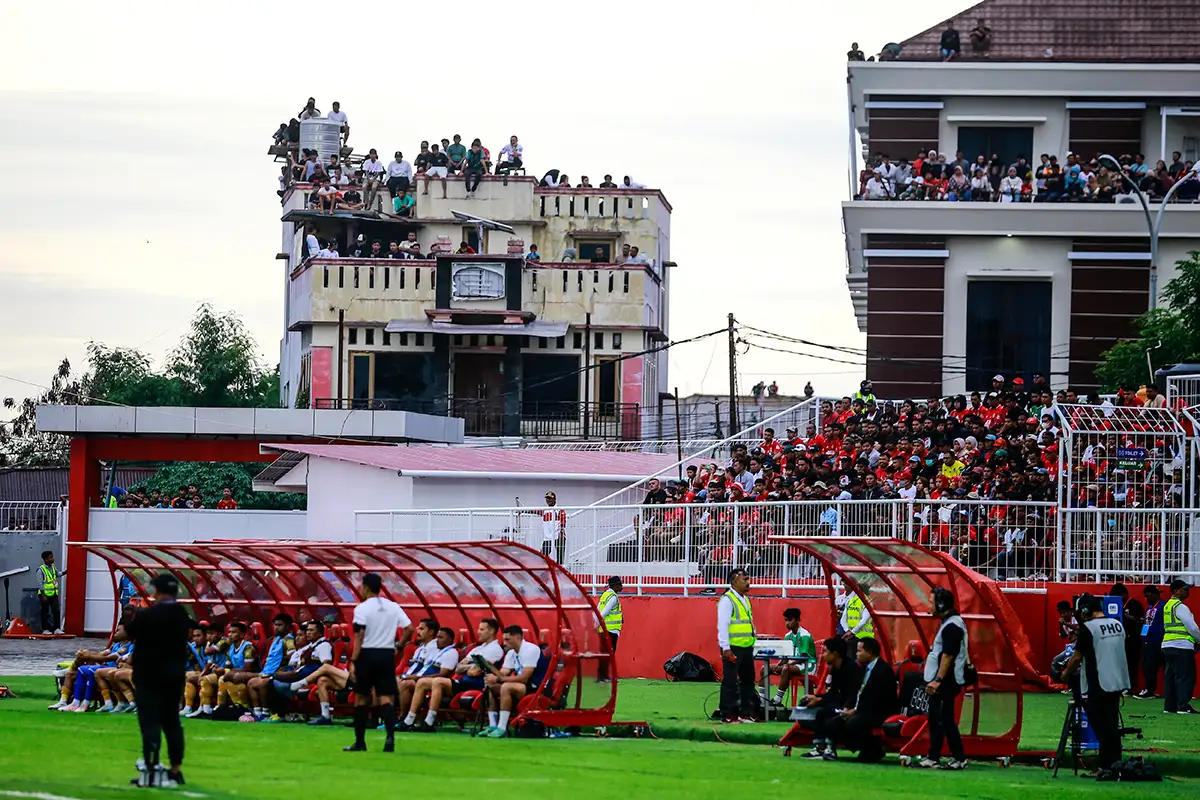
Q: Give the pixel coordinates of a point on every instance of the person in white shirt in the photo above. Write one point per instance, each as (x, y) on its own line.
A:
(735, 640)
(467, 676)
(376, 621)
(421, 658)
(337, 115)
(329, 250)
(373, 171)
(310, 110)
(439, 661)
(554, 527)
(887, 172)
(311, 245)
(507, 685)
(629, 183)
(510, 157)
(399, 175)
(1010, 187)
(877, 189)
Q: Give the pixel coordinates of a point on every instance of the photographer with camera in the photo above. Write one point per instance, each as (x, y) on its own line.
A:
(945, 675)
(1100, 649)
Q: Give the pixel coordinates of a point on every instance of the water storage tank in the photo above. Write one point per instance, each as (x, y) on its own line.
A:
(322, 135)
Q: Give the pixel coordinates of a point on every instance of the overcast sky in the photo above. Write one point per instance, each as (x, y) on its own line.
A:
(139, 185)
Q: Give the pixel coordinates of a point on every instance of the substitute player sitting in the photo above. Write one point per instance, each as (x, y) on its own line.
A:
(804, 655)
(440, 662)
(426, 648)
(275, 661)
(241, 660)
(467, 675)
(507, 685)
(197, 663)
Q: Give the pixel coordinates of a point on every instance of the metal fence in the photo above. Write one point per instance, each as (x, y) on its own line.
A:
(1136, 544)
(41, 517)
(691, 548)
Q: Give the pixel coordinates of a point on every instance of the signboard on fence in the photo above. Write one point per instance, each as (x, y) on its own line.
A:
(1131, 458)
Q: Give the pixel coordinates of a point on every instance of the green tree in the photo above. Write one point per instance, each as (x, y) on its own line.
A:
(1171, 333)
(21, 443)
(216, 365)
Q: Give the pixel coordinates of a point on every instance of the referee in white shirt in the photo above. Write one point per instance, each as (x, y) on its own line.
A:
(372, 666)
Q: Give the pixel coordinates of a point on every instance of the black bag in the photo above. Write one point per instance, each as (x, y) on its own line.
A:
(970, 674)
(531, 729)
(1134, 769)
(689, 667)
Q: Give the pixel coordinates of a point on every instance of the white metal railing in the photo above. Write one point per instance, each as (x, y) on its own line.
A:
(1152, 544)
(690, 548)
(19, 515)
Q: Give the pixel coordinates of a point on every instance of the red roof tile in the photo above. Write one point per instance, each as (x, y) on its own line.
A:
(1073, 30)
(484, 459)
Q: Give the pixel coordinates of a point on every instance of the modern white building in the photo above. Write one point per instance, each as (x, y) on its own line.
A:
(950, 293)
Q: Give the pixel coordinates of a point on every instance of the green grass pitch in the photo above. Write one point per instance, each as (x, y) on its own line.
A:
(46, 755)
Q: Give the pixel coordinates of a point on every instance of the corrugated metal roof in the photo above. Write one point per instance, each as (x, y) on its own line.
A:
(497, 460)
(1072, 30)
(29, 484)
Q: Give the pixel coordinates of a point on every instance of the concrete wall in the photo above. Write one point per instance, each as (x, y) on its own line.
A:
(24, 549)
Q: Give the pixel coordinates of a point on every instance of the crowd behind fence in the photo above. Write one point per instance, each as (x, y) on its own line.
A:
(692, 547)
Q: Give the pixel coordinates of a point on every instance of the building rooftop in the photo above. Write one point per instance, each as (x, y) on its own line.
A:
(1071, 31)
(429, 461)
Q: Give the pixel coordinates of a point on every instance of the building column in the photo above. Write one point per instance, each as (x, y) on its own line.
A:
(83, 492)
(511, 426)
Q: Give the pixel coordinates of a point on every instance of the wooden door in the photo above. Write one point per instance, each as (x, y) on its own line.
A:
(479, 392)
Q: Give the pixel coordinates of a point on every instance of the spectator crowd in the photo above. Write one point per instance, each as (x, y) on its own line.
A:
(931, 176)
(985, 456)
(187, 497)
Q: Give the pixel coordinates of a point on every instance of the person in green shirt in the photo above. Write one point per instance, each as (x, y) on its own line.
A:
(458, 155)
(804, 654)
(403, 204)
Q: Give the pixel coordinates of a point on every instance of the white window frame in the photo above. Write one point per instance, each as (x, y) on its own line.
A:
(483, 281)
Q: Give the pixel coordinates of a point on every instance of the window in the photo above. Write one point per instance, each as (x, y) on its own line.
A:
(362, 367)
(352, 336)
(387, 339)
(606, 388)
(561, 342)
(543, 343)
(1008, 330)
(596, 252)
(599, 341)
(370, 335)
(550, 387)
(404, 340)
(626, 286)
(420, 340)
(616, 341)
(387, 277)
(477, 281)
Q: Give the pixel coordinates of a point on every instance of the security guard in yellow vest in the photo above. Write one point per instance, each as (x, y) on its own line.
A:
(1180, 634)
(48, 578)
(610, 612)
(735, 637)
(856, 619)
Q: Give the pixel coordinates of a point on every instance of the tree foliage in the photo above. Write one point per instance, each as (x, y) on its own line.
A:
(215, 364)
(1171, 333)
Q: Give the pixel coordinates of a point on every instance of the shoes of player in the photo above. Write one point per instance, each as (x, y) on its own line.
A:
(389, 745)
(953, 764)
(816, 752)
(1144, 694)
(928, 763)
(56, 706)
(272, 718)
(424, 727)
(830, 755)
(319, 721)
(496, 733)
(485, 732)
(355, 748)
(129, 708)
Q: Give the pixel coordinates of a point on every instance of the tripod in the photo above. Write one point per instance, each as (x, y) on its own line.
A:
(1071, 730)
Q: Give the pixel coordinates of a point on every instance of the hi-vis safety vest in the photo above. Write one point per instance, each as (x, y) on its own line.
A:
(614, 618)
(49, 579)
(1173, 627)
(741, 623)
(855, 611)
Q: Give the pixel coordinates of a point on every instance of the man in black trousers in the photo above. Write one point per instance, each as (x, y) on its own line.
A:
(160, 634)
(872, 701)
(735, 638)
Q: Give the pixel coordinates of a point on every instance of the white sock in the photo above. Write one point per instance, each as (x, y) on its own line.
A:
(431, 718)
(410, 718)
(779, 695)
(326, 711)
(108, 703)
(493, 719)
(206, 708)
(298, 685)
(504, 720)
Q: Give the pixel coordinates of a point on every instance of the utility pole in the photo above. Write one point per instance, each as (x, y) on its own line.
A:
(733, 408)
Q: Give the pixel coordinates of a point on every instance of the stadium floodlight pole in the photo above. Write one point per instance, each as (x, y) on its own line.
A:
(1153, 226)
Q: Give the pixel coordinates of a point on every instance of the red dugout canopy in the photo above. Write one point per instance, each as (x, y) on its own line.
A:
(458, 584)
(895, 579)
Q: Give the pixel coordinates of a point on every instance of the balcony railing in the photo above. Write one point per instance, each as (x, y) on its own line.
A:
(539, 420)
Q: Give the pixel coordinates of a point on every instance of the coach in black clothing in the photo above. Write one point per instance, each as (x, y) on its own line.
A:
(161, 634)
(874, 701)
(842, 679)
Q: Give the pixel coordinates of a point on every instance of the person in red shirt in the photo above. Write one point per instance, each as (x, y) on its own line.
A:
(227, 501)
(770, 445)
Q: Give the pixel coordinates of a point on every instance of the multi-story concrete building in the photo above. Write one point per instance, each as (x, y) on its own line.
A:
(515, 346)
(950, 293)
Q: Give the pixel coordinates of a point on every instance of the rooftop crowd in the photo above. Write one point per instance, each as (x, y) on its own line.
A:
(188, 497)
(1000, 446)
(353, 183)
(931, 176)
